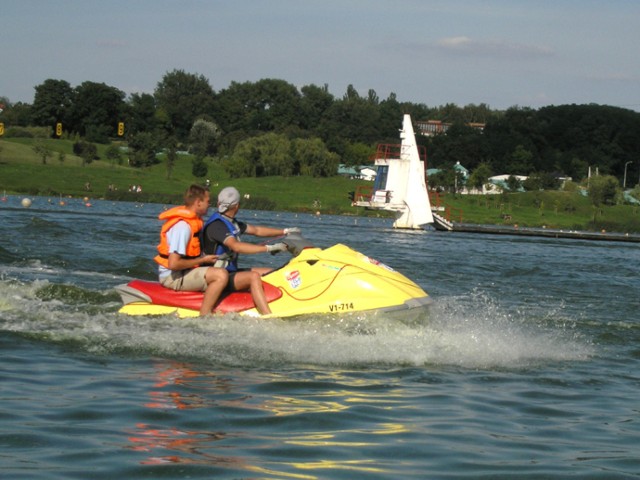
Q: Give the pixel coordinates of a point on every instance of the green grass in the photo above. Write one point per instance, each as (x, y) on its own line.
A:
(22, 172)
(551, 209)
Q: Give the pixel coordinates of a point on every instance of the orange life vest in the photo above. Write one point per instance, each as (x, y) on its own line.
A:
(171, 217)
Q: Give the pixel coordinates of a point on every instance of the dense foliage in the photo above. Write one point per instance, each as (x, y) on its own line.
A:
(271, 127)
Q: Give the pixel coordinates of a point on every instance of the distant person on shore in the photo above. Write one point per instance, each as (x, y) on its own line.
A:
(182, 264)
(221, 236)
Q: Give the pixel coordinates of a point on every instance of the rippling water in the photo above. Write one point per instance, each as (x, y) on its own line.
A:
(527, 366)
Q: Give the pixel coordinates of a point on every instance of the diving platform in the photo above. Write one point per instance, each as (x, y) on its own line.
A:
(401, 182)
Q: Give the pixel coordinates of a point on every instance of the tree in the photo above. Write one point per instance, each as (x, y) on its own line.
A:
(350, 119)
(143, 147)
(183, 97)
(85, 150)
(521, 161)
(248, 109)
(96, 110)
(445, 179)
(314, 103)
(42, 150)
(198, 168)
(357, 154)
(603, 189)
(140, 113)
(391, 112)
(461, 143)
(52, 103)
(513, 183)
(261, 156)
(113, 154)
(171, 146)
(313, 158)
(16, 115)
(275, 105)
(203, 138)
(479, 177)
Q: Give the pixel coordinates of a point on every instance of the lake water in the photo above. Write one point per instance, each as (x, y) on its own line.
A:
(526, 366)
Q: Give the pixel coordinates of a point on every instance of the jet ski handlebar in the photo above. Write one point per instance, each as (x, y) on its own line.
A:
(295, 243)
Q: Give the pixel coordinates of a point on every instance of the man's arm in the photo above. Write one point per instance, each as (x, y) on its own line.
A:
(178, 262)
(260, 231)
(244, 247)
(177, 237)
(217, 232)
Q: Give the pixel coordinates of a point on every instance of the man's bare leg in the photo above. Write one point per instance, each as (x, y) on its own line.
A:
(217, 279)
(252, 280)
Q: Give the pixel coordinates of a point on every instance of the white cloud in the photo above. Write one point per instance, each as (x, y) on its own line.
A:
(491, 48)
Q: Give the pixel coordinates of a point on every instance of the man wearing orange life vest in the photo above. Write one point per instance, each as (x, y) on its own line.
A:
(182, 265)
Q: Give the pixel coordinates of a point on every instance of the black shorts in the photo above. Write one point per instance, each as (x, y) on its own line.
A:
(230, 288)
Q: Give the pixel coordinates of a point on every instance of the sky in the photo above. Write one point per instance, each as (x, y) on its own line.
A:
(501, 53)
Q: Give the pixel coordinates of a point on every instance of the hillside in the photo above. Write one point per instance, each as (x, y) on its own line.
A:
(22, 172)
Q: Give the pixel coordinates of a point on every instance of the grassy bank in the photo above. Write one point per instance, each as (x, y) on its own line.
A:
(551, 209)
(22, 172)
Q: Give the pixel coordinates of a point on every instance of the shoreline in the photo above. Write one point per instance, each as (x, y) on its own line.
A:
(457, 227)
(545, 232)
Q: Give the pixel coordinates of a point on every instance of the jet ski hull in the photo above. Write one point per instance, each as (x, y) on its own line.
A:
(336, 280)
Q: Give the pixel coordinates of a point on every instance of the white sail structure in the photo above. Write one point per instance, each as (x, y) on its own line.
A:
(418, 211)
(400, 184)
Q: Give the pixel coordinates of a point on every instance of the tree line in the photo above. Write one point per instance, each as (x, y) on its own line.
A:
(271, 127)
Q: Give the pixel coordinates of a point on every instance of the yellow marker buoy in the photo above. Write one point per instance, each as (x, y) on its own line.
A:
(26, 202)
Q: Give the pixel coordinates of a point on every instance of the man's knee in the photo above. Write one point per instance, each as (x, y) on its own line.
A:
(256, 278)
(215, 274)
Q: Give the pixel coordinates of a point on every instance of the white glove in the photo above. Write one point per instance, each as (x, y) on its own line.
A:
(287, 231)
(277, 247)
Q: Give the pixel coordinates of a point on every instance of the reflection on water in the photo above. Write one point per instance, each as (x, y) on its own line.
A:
(178, 386)
(300, 420)
(181, 446)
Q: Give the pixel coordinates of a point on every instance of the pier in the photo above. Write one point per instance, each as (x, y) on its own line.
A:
(540, 232)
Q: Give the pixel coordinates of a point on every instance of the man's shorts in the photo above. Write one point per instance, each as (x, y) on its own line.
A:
(230, 287)
(191, 280)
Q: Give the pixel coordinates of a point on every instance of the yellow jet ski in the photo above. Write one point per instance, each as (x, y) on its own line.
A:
(335, 280)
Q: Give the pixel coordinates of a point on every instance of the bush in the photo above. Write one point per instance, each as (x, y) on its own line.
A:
(198, 168)
(86, 150)
(142, 150)
(603, 190)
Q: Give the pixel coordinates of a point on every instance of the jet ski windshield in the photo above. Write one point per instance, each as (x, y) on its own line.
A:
(296, 243)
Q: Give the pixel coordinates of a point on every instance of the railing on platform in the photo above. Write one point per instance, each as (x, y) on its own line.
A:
(363, 193)
(453, 214)
(449, 213)
(387, 151)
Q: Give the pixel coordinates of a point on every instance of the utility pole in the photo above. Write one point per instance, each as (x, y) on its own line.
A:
(624, 182)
